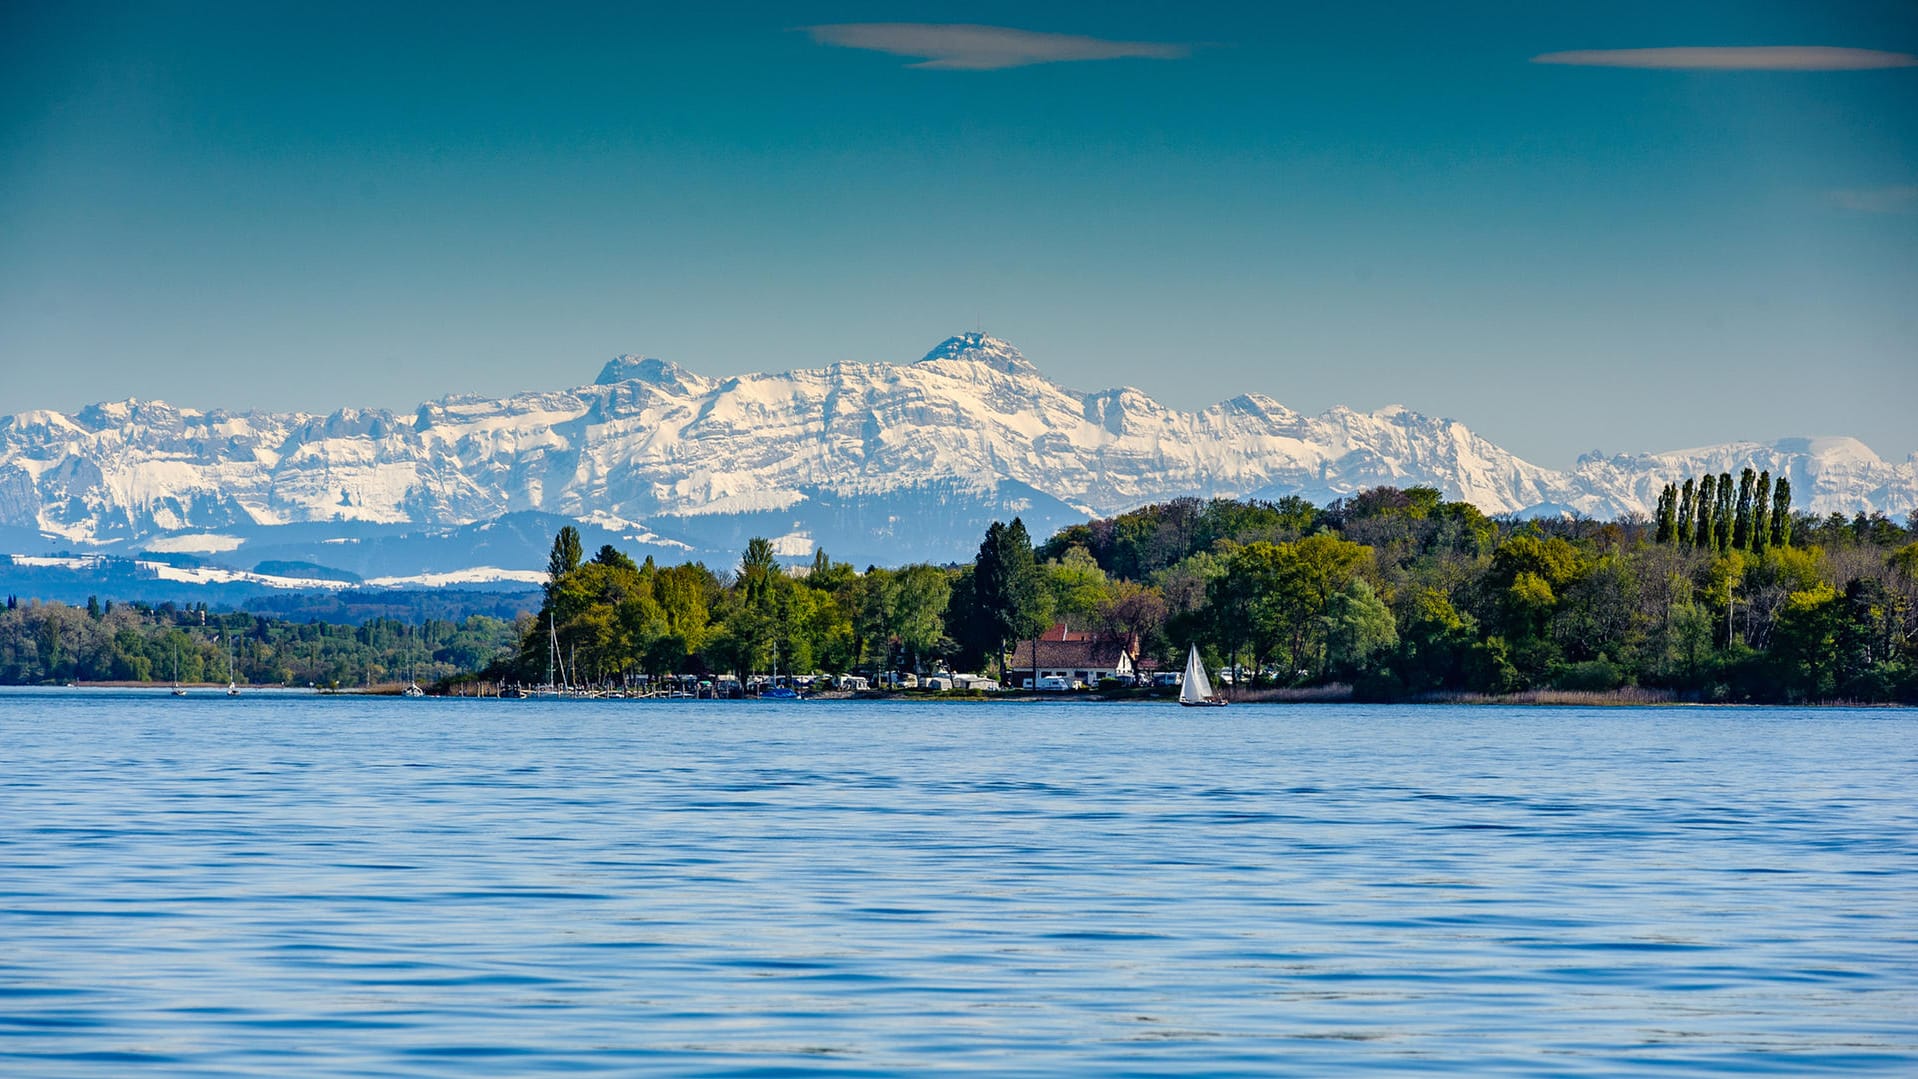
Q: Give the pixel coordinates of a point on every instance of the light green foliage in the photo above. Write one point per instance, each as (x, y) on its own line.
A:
(1077, 586)
(1273, 597)
(1358, 629)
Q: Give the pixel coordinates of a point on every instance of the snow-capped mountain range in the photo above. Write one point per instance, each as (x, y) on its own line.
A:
(878, 462)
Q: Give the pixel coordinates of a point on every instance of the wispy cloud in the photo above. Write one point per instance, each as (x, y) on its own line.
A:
(1728, 58)
(960, 47)
(1898, 199)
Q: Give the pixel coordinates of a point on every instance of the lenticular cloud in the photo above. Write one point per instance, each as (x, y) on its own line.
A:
(962, 47)
(1752, 58)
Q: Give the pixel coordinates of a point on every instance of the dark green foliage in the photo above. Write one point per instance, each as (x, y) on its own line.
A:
(1686, 512)
(1667, 515)
(1721, 514)
(608, 555)
(134, 642)
(1761, 514)
(566, 555)
(1009, 601)
(1742, 519)
(1781, 513)
(1707, 507)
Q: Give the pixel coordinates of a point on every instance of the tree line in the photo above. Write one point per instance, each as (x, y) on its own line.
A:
(1725, 594)
(1399, 593)
(43, 643)
(1704, 514)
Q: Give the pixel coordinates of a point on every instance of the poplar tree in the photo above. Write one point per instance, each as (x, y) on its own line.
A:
(1742, 524)
(1686, 511)
(1667, 515)
(1702, 533)
(1781, 513)
(1721, 514)
(565, 557)
(1761, 513)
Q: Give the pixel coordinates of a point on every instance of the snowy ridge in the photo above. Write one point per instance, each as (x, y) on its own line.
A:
(653, 449)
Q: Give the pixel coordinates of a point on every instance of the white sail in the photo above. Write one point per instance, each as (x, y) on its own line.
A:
(1195, 690)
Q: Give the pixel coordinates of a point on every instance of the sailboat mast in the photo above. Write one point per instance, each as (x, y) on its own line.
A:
(552, 648)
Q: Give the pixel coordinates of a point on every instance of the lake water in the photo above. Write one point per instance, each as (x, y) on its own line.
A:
(290, 884)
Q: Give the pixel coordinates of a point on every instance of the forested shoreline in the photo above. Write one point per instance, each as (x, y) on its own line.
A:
(55, 643)
(1724, 595)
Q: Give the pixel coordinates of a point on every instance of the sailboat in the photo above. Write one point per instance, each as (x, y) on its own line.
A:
(413, 678)
(178, 690)
(1196, 691)
(775, 691)
(553, 658)
(232, 687)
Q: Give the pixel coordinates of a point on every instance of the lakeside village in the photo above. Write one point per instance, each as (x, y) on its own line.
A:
(1724, 595)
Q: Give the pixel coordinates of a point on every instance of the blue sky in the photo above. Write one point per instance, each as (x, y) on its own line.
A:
(278, 205)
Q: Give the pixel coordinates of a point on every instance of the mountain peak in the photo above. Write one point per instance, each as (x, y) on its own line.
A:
(977, 347)
(630, 368)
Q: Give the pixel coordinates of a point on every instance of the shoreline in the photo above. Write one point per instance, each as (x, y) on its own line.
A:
(1335, 694)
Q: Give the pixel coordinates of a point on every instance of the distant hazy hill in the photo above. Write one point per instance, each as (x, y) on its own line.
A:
(876, 462)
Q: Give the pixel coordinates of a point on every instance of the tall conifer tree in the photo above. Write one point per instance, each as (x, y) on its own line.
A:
(1721, 514)
(1006, 586)
(1702, 532)
(1742, 523)
(1781, 513)
(1686, 511)
(1761, 513)
(1667, 515)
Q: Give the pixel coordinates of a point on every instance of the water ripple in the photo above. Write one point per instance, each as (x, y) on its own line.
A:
(335, 886)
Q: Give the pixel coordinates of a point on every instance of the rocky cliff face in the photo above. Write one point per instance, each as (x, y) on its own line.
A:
(835, 456)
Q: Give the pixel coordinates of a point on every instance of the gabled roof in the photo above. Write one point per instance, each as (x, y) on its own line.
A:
(1080, 654)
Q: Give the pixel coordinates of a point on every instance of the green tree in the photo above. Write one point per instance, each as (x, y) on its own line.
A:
(1007, 590)
(1686, 512)
(1707, 506)
(1742, 520)
(1761, 514)
(565, 557)
(1274, 596)
(1781, 513)
(1722, 514)
(1436, 649)
(1667, 515)
(1804, 643)
(1078, 588)
(915, 611)
(608, 555)
(1359, 629)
